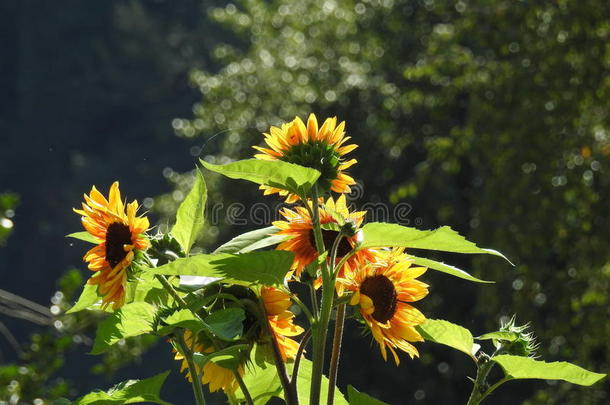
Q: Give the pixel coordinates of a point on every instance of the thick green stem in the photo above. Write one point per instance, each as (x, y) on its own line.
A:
(320, 328)
(336, 353)
(195, 379)
(479, 389)
(170, 289)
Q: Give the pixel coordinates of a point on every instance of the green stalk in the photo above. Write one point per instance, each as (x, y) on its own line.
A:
(244, 388)
(479, 389)
(195, 380)
(320, 328)
(336, 353)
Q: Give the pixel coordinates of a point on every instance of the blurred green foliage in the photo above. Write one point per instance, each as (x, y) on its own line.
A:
(8, 202)
(37, 377)
(491, 117)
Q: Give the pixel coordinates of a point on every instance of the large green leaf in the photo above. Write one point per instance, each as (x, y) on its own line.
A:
(447, 333)
(226, 324)
(260, 377)
(128, 392)
(275, 173)
(446, 268)
(84, 236)
(132, 319)
(253, 240)
(360, 398)
(518, 367)
(379, 234)
(267, 267)
(182, 318)
(304, 385)
(190, 214)
(88, 299)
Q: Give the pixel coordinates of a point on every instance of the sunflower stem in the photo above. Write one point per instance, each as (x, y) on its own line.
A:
(170, 289)
(195, 380)
(320, 328)
(336, 353)
(480, 388)
(297, 359)
(243, 387)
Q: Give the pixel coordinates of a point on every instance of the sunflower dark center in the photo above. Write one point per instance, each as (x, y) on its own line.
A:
(381, 290)
(317, 155)
(329, 238)
(117, 235)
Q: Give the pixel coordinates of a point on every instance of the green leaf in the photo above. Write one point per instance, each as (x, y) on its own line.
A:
(275, 173)
(229, 357)
(268, 267)
(379, 234)
(86, 236)
(446, 268)
(183, 318)
(304, 385)
(360, 398)
(253, 240)
(226, 324)
(518, 367)
(447, 333)
(506, 336)
(260, 377)
(190, 214)
(131, 320)
(88, 299)
(128, 392)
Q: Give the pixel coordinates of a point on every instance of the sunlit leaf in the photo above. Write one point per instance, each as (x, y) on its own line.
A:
(183, 318)
(506, 336)
(379, 234)
(448, 334)
(446, 268)
(88, 299)
(253, 240)
(130, 320)
(128, 392)
(304, 385)
(275, 173)
(190, 214)
(85, 236)
(260, 377)
(268, 267)
(360, 398)
(518, 367)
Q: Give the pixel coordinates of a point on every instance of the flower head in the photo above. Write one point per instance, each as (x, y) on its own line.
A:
(276, 303)
(298, 226)
(119, 233)
(321, 148)
(383, 290)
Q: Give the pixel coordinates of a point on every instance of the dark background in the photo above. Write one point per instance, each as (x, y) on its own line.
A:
(488, 116)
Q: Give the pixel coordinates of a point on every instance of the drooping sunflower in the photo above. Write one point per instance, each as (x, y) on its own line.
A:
(119, 233)
(216, 376)
(298, 226)
(280, 318)
(383, 290)
(322, 148)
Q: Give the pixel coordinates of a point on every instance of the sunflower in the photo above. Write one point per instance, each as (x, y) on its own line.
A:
(382, 291)
(118, 233)
(319, 148)
(216, 376)
(298, 227)
(276, 303)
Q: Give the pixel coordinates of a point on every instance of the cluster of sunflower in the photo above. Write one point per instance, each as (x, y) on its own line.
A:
(321, 232)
